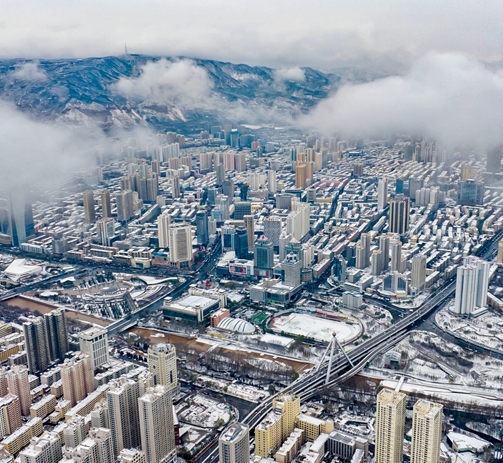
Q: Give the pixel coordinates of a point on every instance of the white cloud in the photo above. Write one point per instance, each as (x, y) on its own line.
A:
(295, 74)
(29, 72)
(180, 82)
(449, 97)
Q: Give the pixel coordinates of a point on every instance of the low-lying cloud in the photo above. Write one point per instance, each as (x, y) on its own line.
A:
(289, 75)
(30, 72)
(180, 82)
(449, 97)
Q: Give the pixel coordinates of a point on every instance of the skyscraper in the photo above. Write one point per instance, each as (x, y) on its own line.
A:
(105, 229)
(163, 223)
(89, 211)
(122, 400)
(389, 426)
(271, 181)
(418, 276)
(57, 334)
(180, 245)
(10, 414)
(94, 341)
(499, 259)
(162, 362)
(264, 255)
(19, 384)
(241, 208)
(106, 208)
(125, 205)
(241, 243)
(471, 285)
(234, 444)
(396, 256)
(36, 344)
(156, 425)
(426, 432)
(77, 376)
(382, 194)
(272, 229)
(17, 219)
(384, 248)
(201, 227)
(470, 192)
(301, 175)
(175, 187)
(399, 212)
(292, 268)
(250, 231)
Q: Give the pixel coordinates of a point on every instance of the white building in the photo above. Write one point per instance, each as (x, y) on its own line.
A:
(471, 286)
(234, 444)
(180, 244)
(94, 341)
(382, 194)
(163, 223)
(162, 362)
(43, 449)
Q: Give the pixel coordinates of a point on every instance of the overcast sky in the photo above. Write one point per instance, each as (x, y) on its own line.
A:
(319, 33)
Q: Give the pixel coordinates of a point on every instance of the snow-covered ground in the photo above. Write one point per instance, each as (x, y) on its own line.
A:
(317, 328)
(205, 412)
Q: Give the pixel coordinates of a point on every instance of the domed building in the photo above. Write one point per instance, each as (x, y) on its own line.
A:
(236, 325)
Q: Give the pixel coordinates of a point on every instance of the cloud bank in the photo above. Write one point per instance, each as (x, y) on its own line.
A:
(180, 82)
(29, 72)
(295, 74)
(449, 97)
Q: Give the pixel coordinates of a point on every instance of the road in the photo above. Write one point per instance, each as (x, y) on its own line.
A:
(309, 384)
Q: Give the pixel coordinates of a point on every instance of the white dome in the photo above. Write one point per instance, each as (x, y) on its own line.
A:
(237, 325)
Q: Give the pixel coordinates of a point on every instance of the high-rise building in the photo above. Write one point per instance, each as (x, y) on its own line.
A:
(376, 259)
(272, 229)
(131, 456)
(358, 170)
(471, 285)
(271, 181)
(301, 175)
(284, 239)
(399, 213)
(125, 205)
(106, 208)
(241, 243)
(180, 245)
(157, 425)
(292, 268)
(105, 229)
(19, 384)
(470, 192)
(89, 210)
(494, 160)
(241, 208)
(500, 253)
(97, 447)
(16, 220)
(57, 334)
(163, 223)
(418, 276)
(264, 254)
(202, 227)
(426, 432)
(122, 400)
(94, 341)
(162, 362)
(250, 231)
(175, 187)
(234, 444)
(389, 426)
(36, 345)
(384, 248)
(363, 251)
(75, 432)
(220, 171)
(240, 162)
(43, 449)
(382, 194)
(10, 414)
(298, 221)
(77, 376)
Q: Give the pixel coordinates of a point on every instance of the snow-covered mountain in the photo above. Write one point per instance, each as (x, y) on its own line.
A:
(135, 89)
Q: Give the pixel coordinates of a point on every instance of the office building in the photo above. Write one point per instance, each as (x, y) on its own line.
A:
(122, 401)
(202, 234)
(157, 430)
(16, 220)
(234, 444)
(399, 212)
(18, 383)
(163, 223)
(105, 229)
(250, 231)
(241, 208)
(264, 255)
(131, 456)
(43, 449)
(106, 208)
(125, 205)
(10, 414)
(272, 229)
(36, 345)
(292, 268)
(89, 210)
(418, 276)
(426, 432)
(470, 193)
(180, 245)
(241, 243)
(94, 341)
(382, 194)
(161, 359)
(57, 334)
(77, 376)
(389, 426)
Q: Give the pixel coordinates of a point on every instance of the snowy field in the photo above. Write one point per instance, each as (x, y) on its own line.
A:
(317, 328)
